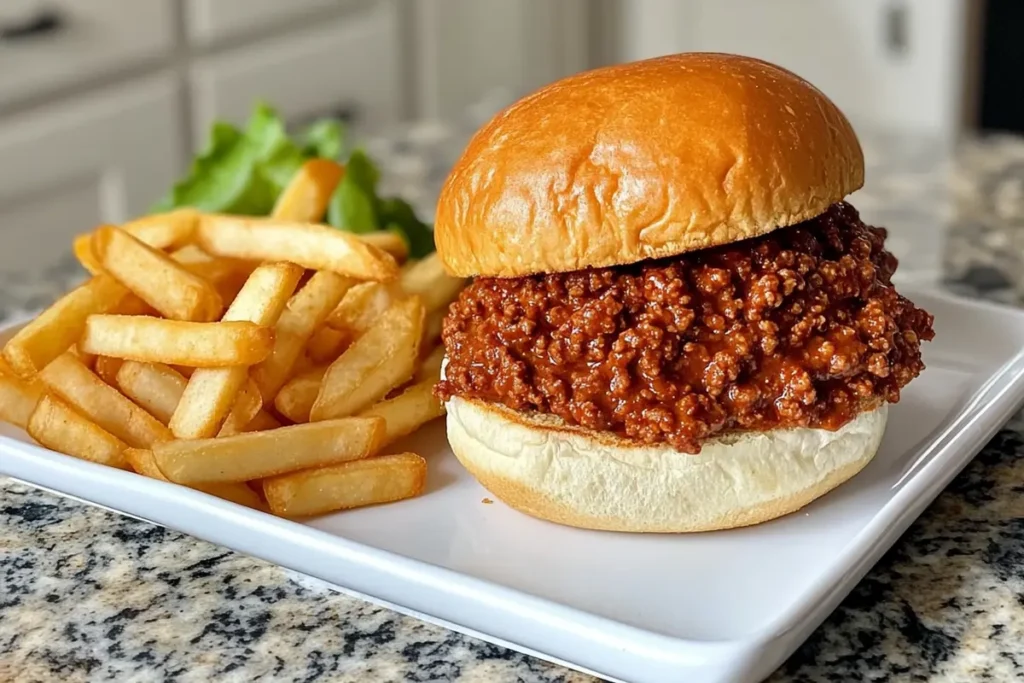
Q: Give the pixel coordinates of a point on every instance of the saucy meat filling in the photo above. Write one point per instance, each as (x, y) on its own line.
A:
(800, 327)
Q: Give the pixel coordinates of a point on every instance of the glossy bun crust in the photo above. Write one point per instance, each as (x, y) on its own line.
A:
(644, 160)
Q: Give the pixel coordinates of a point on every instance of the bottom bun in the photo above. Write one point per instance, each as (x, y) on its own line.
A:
(539, 465)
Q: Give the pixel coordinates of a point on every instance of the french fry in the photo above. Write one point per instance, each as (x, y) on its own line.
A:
(433, 326)
(18, 398)
(82, 249)
(211, 392)
(383, 479)
(226, 275)
(255, 455)
(154, 386)
(312, 246)
(158, 388)
(263, 421)
(107, 369)
(297, 397)
(199, 345)
(430, 368)
(101, 403)
(383, 358)
(164, 230)
(326, 344)
(160, 231)
(362, 305)
(429, 280)
(247, 405)
(143, 462)
(54, 425)
(307, 195)
(389, 242)
(88, 360)
(407, 412)
(57, 328)
(304, 314)
(156, 278)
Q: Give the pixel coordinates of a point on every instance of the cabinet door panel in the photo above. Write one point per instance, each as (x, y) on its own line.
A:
(66, 168)
(351, 65)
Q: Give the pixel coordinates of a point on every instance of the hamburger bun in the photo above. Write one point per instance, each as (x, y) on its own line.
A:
(644, 160)
(572, 476)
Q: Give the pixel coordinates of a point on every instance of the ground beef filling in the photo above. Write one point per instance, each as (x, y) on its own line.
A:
(801, 327)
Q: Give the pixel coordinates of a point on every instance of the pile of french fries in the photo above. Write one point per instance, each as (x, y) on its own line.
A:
(267, 361)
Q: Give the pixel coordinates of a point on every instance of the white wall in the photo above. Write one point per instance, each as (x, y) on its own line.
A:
(839, 45)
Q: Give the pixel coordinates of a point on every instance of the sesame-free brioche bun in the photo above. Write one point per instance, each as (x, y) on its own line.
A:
(644, 160)
(540, 466)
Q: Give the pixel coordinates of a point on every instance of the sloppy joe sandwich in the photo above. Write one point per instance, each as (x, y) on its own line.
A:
(676, 323)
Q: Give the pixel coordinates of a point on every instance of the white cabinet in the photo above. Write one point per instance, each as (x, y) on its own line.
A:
(470, 50)
(102, 158)
(351, 64)
(894, 64)
(57, 43)
(208, 21)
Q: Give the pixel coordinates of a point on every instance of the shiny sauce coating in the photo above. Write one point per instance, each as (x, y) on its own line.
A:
(800, 327)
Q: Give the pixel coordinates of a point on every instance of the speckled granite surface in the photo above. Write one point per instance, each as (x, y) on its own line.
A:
(87, 595)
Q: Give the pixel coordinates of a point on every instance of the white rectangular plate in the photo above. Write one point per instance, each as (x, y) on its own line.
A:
(724, 606)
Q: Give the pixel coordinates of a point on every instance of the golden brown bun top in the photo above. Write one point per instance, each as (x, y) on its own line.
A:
(644, 160)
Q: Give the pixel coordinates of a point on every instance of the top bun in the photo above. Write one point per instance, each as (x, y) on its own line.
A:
(644, 160)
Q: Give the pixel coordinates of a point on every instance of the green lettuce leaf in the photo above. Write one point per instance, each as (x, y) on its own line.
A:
(400, 217)
(243, 171)
(352, 207)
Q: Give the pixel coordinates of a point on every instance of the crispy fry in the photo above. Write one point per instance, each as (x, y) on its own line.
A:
(305, 313)
(387, 241)
(407, 412)
(57, 328)
(312, 246)
(383, 358)
(297, 397)
(107, 369)
(154, 386)
(156, 278)
(54, 425)
(158, 388)
(199, 345)
(430, 368)
(210, 393)
(82, 248)
(371, 481)
(326, 344)
(255, 455)
(362, 305)
(433, 326)
(307, 195)
(247, 404)
(429, 280)
(160, 231)
(18, 398)
(143, 462)
(164, 230)
(88, 359)
(101, 403)
(262, 422)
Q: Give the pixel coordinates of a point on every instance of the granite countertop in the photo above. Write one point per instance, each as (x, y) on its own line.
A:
(89, 595)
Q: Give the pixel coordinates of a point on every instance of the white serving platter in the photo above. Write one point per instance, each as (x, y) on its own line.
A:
(723, 606)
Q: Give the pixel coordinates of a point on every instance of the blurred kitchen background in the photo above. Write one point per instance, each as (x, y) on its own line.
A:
(103, 102)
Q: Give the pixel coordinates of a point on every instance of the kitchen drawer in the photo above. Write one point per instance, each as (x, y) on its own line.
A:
(208, 21)
(350, 65)
(49, 44)
(101, 158)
